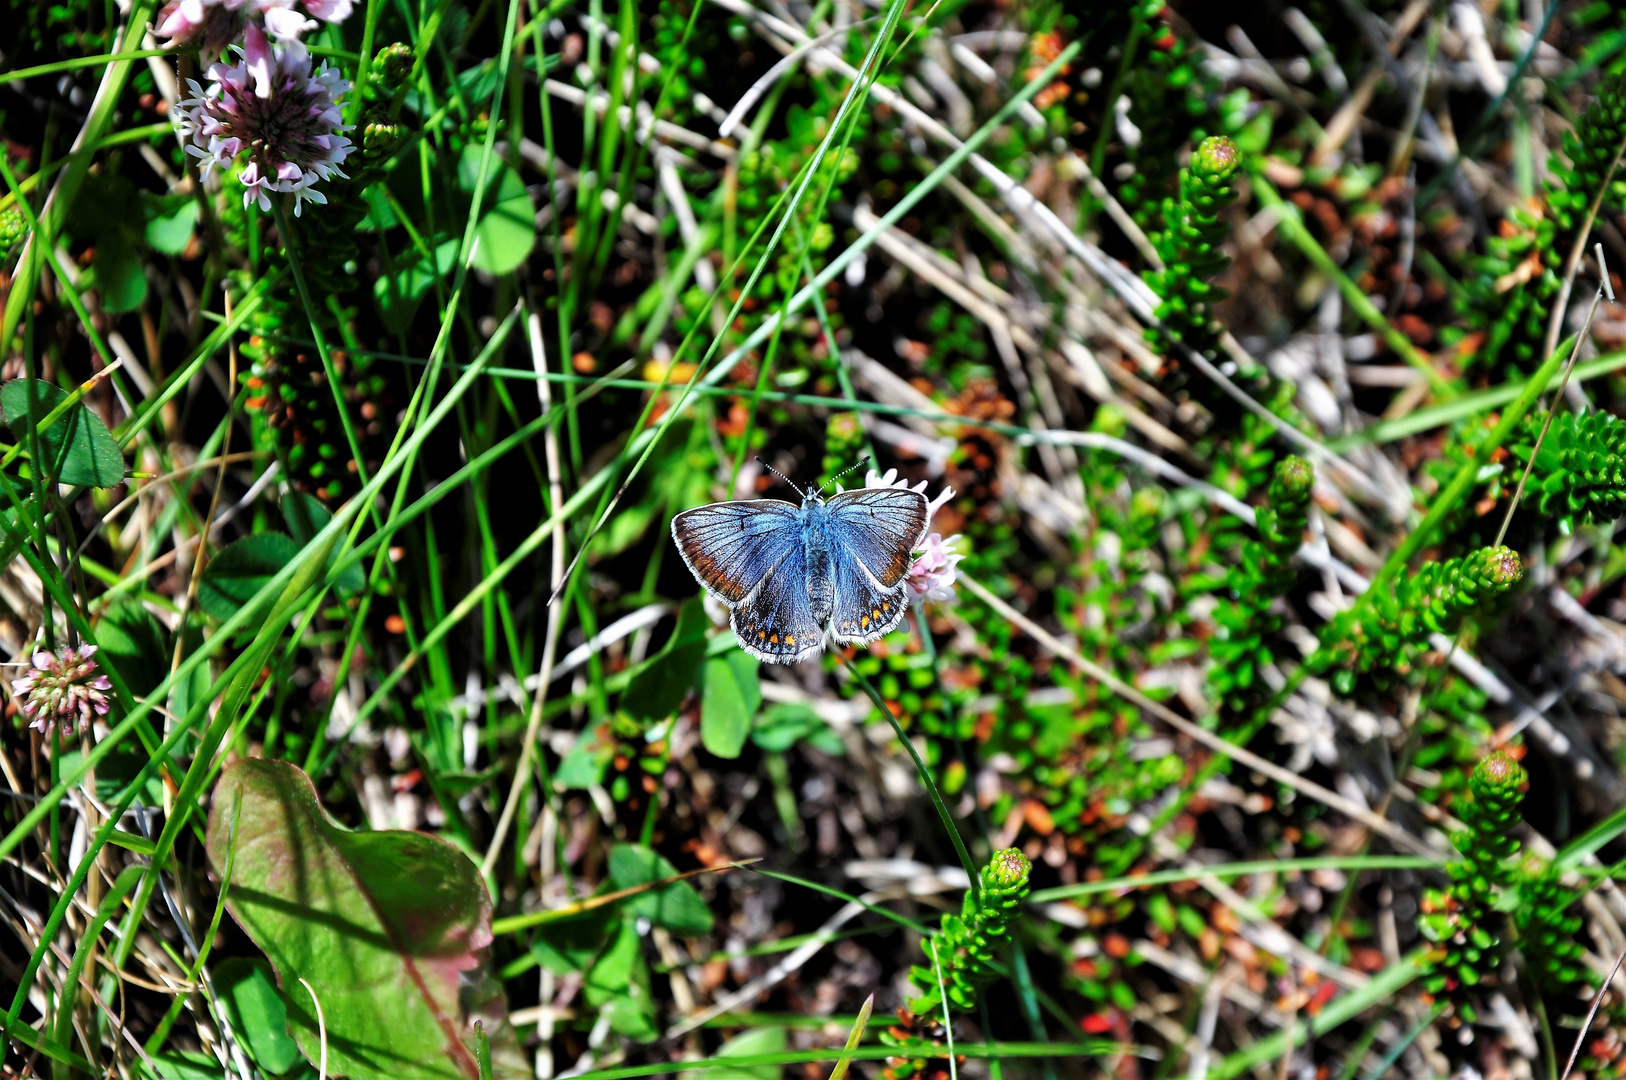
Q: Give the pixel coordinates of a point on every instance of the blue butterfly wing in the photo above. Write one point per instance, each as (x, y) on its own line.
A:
(864, 609)
(730, 547)
(879, 527)
(777, 622)
(872, 533)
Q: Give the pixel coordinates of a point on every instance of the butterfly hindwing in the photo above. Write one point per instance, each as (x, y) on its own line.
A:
(777, 623)
(864, 609)
(730, 547)
(880, 528)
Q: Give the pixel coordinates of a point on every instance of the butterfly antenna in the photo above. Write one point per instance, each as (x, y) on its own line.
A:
(860, 463)
(777, 473)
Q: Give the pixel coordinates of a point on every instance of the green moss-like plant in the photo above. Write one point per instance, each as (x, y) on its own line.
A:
(1509, 292)
(1264, 573)
(1169, 91)
(1580, 472)
(287, 387)
(1549, 931)
(1387, 624)
(965, 945)
(13, 227)
(1462, 921)
(1190, 246)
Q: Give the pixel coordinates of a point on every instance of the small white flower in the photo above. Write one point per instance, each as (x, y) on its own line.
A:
(872, 479)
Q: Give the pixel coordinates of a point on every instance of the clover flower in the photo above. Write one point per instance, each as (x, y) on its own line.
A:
(216, 23)
(61, 687)
(270, 105)
(931, 576)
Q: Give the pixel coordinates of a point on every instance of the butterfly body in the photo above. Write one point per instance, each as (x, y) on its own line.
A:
(793, 576)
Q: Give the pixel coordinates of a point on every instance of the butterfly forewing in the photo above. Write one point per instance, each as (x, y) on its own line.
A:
(730, 547)
(777, 623)
(880, 528)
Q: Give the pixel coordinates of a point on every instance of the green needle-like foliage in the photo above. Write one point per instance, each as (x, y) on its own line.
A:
(1244, 620)
(1589, 150)
(1509, 294)
(1388, 623)
(288, 386)
(1580, 471)
(1549, 930)
(1190, 246)
(13, 227)
(965, 945)
(1462, 921)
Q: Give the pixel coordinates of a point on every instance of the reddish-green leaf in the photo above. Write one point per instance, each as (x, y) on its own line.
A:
(382, 925)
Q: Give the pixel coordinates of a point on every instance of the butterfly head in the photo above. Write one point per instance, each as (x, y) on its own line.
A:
(813, 496)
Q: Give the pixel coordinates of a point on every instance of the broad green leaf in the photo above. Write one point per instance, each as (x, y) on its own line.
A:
(248, 991)
(132, 643)
(398, 294)
(114, 773)
(190, 689)
(382, 925)
(569, 945)
(112, 215)
(631, 1016)
(119, 275)
(507, 229)
(583, 765)
(730, 695)
(782, 726)
(749, 1043)
(184, 1065)
(619, 979)
(379, 213)
(170, 222)
(675, 906)
(306, 516)
(625, 529)
(78, 448)
(240, 569)
(655, 690)
(478, 83)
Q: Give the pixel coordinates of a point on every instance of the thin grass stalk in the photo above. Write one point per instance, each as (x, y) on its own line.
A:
(925, 774)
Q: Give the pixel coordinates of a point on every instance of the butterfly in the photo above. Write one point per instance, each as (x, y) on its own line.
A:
(794, 577)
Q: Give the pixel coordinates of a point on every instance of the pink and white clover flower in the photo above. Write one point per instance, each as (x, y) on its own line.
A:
(270, 105)
(932, 574)
(63, 690)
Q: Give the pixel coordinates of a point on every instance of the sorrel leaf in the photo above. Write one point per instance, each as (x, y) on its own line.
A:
(380, 924)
